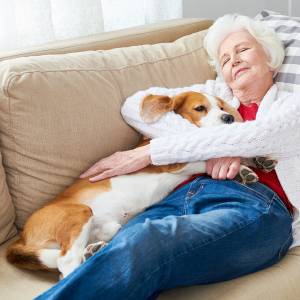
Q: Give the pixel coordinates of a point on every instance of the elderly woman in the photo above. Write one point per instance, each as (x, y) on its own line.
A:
(211, 229)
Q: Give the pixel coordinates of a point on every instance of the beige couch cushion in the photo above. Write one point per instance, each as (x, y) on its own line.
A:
(7, 211)
(61, 113)
(279, 282)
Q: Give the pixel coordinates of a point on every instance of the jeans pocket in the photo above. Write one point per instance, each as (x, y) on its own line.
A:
(260, 190)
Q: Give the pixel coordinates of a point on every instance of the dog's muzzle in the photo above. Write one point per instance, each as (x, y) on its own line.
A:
(227, 119)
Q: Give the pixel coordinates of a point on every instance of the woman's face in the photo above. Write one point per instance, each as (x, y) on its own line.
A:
(243, 60)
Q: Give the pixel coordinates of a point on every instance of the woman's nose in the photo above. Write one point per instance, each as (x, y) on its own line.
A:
(235, 60)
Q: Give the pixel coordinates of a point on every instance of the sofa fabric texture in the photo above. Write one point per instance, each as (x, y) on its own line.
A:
(7, 211)
(61, 113)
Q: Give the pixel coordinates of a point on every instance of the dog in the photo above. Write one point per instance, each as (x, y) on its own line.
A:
(84, 217)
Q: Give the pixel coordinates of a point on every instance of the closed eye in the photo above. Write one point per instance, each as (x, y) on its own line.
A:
(243, 49)
(225, 61)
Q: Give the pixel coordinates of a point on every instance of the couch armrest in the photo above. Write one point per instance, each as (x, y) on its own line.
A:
(166, 31)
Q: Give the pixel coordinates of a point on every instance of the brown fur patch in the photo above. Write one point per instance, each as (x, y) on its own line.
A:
(82, 190)
(173, 168)
(189, 102)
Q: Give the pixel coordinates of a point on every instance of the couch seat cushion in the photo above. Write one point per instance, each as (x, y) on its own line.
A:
(279, 282)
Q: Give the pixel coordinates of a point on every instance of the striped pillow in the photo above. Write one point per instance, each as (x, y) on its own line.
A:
(288, 30)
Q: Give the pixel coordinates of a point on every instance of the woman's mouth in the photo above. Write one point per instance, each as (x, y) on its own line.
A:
(239, 72)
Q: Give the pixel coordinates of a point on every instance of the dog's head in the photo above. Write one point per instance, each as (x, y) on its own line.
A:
(200, 109)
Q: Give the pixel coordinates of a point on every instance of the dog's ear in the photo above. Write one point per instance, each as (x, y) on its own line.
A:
(178, 101)
(153, 107)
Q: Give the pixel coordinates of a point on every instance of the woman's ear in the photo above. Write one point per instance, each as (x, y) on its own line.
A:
(153, 107)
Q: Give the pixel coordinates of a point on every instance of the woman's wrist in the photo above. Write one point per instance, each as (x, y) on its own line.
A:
(145, 153)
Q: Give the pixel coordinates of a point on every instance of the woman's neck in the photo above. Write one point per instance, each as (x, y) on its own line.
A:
(254, 93)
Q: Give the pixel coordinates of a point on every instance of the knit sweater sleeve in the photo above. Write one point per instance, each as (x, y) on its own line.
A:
(170, 123)
(276, 134)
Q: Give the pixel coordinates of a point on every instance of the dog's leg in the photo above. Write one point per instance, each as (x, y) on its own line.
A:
(109, 230)
(91, 249)
(266, 164)
(73, 257)
(103, 234)
(246, 175)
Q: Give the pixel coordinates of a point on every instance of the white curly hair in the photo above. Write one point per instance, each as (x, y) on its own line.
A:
(264, 35)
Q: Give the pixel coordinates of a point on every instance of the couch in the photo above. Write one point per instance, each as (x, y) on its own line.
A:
(60, 112)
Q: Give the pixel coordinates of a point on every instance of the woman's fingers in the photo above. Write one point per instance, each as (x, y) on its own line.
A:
(216, 169)
(234, 168)
(222, 168)
(105, 164)
(96, 168)
(103, 175)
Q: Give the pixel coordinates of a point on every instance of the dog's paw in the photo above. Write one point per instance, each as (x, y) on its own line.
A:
(91, 249)
(246, 175)
(265, 164)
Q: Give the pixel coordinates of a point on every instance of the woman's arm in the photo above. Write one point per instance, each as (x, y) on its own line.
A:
(275, 134)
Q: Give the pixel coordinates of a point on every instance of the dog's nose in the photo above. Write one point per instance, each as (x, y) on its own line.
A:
(228, 119)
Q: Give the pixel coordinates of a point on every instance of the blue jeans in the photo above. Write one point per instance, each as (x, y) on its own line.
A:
(207, 231)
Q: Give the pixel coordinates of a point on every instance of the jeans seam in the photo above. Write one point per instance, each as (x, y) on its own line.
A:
(191, 193)
(281, 203)
(284, 244)
(251, 221)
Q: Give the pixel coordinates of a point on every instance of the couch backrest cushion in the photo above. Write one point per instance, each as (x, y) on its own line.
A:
(154, 33)
(61, 113)
(7, 212)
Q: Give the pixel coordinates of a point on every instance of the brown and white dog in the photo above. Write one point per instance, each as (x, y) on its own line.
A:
(56, 236)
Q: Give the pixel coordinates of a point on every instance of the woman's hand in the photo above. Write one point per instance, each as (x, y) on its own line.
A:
(223, 167)
(120, 163)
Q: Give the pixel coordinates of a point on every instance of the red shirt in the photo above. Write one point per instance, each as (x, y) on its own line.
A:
(269, 179)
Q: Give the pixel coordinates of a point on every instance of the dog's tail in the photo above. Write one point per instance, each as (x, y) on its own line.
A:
(32, 258)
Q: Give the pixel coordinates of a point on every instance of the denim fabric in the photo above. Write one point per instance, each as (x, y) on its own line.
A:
(207, 231)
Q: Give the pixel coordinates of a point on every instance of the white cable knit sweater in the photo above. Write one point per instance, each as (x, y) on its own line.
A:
(275, 132)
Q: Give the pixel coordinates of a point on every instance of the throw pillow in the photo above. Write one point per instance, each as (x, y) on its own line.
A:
(288, 30)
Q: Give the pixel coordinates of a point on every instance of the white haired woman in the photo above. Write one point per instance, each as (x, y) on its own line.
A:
(211, 229)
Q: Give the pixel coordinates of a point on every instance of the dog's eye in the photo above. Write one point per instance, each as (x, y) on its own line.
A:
(221, 108)
(200, 108)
